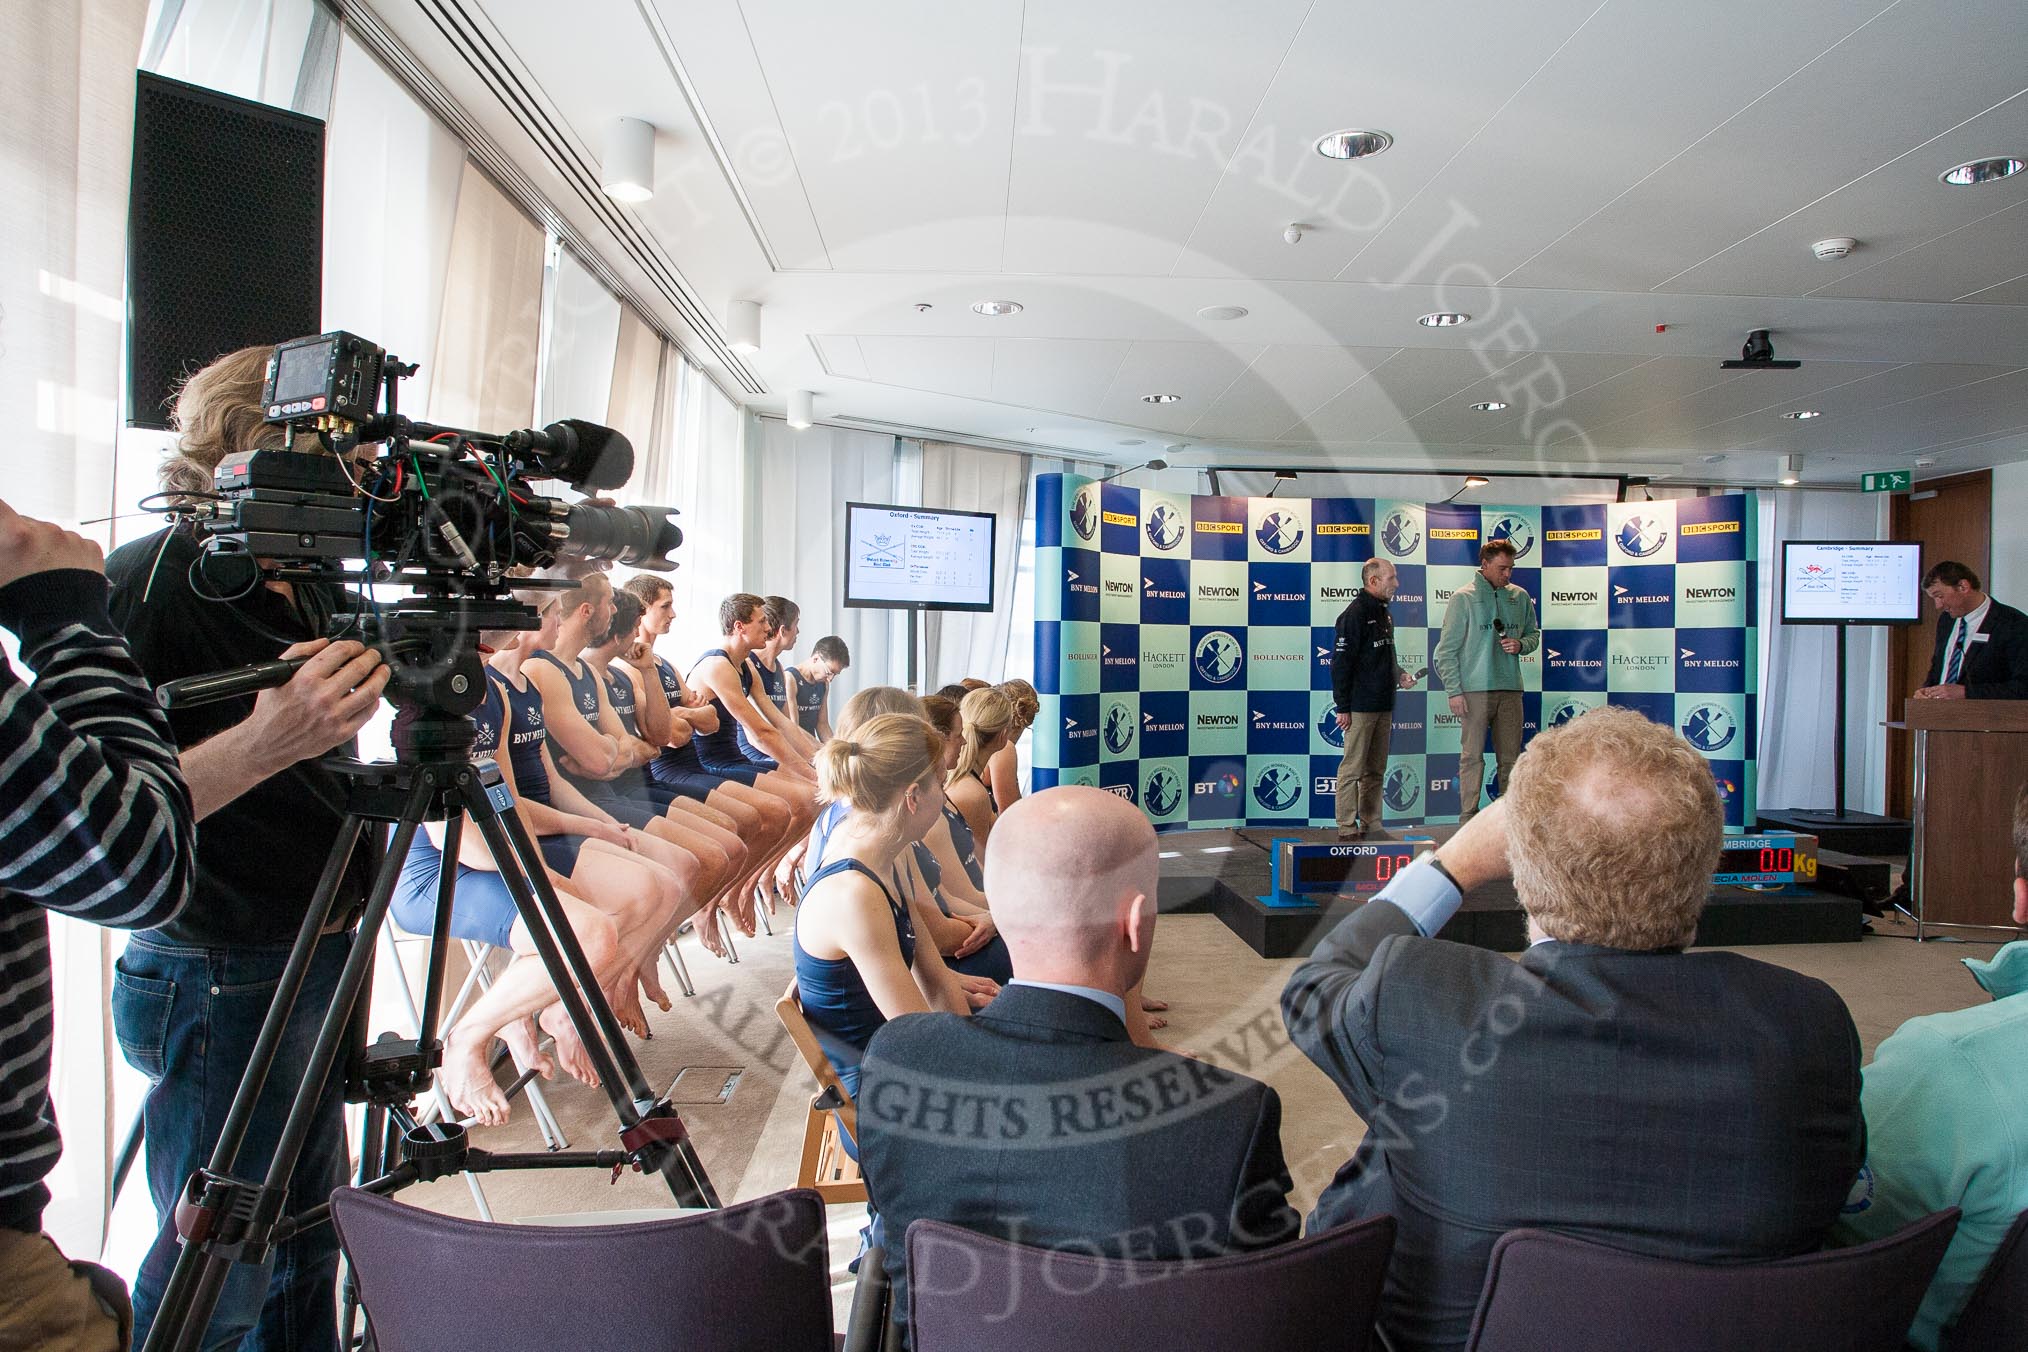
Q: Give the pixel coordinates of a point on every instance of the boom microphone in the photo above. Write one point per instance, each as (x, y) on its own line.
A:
(580, 453)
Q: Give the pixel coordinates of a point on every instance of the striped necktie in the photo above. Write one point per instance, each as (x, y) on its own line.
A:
(1957, 662)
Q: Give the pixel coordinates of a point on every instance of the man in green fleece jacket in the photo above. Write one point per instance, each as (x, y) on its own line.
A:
(1488, 628)
(1947, 1122)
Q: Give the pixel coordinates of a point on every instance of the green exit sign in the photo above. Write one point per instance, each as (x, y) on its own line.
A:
(1887, 481)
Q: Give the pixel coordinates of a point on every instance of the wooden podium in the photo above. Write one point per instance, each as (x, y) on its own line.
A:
(1970, 759)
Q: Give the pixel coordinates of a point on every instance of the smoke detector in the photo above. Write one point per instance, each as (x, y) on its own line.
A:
(1830, 250)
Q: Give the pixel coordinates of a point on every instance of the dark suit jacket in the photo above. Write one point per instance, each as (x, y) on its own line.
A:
(1994, 669)
(1700, 1106)
(1036, 1120)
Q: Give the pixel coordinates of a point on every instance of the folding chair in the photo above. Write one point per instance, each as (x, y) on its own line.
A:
(825, 1166)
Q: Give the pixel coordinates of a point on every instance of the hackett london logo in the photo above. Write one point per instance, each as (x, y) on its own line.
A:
(1084, 513)
(1164, 527)
(1638, 661)
(1217, 657)
(1280, 532)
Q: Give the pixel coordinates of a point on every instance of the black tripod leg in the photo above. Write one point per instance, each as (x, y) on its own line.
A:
(198, 1276)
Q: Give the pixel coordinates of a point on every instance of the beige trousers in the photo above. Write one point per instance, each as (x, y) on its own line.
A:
(1499, 711)
(1363, 770)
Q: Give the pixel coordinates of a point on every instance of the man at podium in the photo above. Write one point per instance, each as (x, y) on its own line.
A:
(1981, 644)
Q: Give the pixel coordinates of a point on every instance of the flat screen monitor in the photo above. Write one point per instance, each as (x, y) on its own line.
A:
(918, 558)
(1851, 582)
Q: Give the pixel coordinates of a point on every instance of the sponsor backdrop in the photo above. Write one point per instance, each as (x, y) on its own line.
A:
(1183, 644)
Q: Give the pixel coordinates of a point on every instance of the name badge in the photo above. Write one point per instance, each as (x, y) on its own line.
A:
(1979, 638)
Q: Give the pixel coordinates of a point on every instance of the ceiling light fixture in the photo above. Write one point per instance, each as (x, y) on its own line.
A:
(1924, 461)
(1222, 312)
(1490, 406)
(1157, 465)
(1803, 414)
(743, 326)
(997, 307)
(1471, 481)
(1982, 171)
(1444, 319)
(1161, 398)
(1792, 471)
(627, 168)
(802, 409)
(1353, 144)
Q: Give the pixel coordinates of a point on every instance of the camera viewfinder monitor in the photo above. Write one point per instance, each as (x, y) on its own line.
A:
(1851, 582)
(918, 558)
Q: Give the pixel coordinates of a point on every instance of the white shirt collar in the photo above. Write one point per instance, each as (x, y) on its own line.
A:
(1972, 621)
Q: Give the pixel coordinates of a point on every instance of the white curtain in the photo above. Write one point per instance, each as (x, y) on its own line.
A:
(698, 465)
(1798, 683)
(253, 49)
(966, 478)
(804, 480)
(66, 126)
(580, 340)
(492, 313)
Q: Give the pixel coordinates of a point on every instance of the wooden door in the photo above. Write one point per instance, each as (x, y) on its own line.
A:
(1952, 519)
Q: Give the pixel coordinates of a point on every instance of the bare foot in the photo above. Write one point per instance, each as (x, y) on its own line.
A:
(522, 1041)
(741, 912)
(467, 1076)
(570, 1052)
(707, 932)
(1150, 1005)
(1157, 1021)
(626, 1005)
(651, 983)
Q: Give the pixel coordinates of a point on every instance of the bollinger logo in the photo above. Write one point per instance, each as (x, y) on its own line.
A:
(1403, 789)
(1641, 537)
(1280, 531)
(1217, 657)
(1710, 728)
(1164, 527)
(1516, 531)
(1084, 512)
(1118, 732)
(1277, 788)
(1162, 793)
(1400, 533)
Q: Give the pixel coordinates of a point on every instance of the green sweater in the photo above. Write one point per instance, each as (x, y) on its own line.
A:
(1947, 1125)
(1468, 655)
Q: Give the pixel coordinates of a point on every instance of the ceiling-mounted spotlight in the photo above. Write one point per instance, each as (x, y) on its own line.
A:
(1352, 144)
(1803, 414)
(1982, 171)
(1758, 355)
(1471, 481)
(1129, 469)
(627, 168)
(1792, 471)
(1161, 398)
(997, 307)
(1222, 312)
(1444, 319)
(802, 409)
(742, 326)
(1490, 406)
(1282, 476)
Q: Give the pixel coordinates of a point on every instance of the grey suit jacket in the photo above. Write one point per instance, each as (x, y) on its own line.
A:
(1036, 1120)
(1700, 1106)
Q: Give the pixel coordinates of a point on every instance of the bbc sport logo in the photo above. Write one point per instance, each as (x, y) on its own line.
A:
(1402, 789)
(1709, 728)
(1084, 512)
(1165, 526)
(1327, 726)
(1400, 533)
(1118, 732)
(1217, 657)
(1641, 537)
(1277, 788)
(1515, 530)
(1161, 794)
(1280, 532)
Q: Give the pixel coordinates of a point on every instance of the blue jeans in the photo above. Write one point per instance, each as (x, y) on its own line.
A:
(187, 1018)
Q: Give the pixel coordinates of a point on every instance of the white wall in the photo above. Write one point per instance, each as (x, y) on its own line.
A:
(2010, 542)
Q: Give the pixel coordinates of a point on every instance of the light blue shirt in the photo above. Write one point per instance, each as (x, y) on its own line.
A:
(1091, 993)
(1424, 895)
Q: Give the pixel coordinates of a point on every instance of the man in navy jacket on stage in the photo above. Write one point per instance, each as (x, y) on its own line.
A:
(1609, 1085)
(1981, 645)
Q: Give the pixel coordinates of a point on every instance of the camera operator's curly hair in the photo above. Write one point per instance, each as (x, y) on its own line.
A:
(218, 411)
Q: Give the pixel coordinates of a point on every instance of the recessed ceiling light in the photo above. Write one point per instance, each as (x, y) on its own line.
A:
(1982, 171)
(996, 307)
(1222, 312)
(1444, 319)
(1490, 406)
(1161, 398)
(1352, 144)
(1134, 441)
(1924, 461)
(1802, 413)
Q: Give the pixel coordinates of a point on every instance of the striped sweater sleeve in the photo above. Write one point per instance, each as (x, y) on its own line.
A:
(93, 809)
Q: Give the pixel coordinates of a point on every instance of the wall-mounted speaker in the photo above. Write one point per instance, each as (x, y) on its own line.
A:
(225, 235)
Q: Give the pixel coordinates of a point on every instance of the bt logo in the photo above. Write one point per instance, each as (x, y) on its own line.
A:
(1403, 789)
(1401, 533)
(1217, 657)
(1162, 793)
(1516, 531)
(1327, 726)
(1119, 728)
(1084, 512)
(1164, 527)
(1280, 532)
(1277, 788)
(1641, 537)
(1710, 728)
(1224, 784)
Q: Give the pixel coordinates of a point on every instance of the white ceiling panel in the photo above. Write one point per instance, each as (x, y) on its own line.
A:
(1967, 264)
(1128, 113)
(1283, 386)
(960, 366)
(1071, 374)
(1200, 372)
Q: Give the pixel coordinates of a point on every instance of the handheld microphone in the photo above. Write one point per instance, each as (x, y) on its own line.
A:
(1499, 626)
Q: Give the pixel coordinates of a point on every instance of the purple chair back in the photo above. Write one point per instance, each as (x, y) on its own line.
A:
(1549, 1293)
(972, 1293)
(1995, 1318)
(754, 1277)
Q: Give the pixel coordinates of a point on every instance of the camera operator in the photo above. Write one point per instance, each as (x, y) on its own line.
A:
(101, 830)
(189, 996)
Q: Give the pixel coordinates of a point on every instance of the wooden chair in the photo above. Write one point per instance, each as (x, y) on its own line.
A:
(825, 1168)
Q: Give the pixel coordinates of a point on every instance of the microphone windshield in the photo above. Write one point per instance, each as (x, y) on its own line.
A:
(1499, 626)
(585, 455)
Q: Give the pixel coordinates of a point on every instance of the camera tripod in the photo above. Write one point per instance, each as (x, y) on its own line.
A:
(223, 1219)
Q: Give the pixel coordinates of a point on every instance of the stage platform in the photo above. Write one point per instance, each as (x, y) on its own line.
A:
(1226, 872)
(1854, 833)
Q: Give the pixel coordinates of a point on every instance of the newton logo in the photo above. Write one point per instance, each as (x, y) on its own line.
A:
(1280, 532)
(1641, 537)
(1277, 788)
(1162, 793)
(1217, 657)
(1164, 527)
(1084, 512)
(1403, 789)
(1710, 728)
(1119, 728)
(1401, 533)
(1516, 531)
